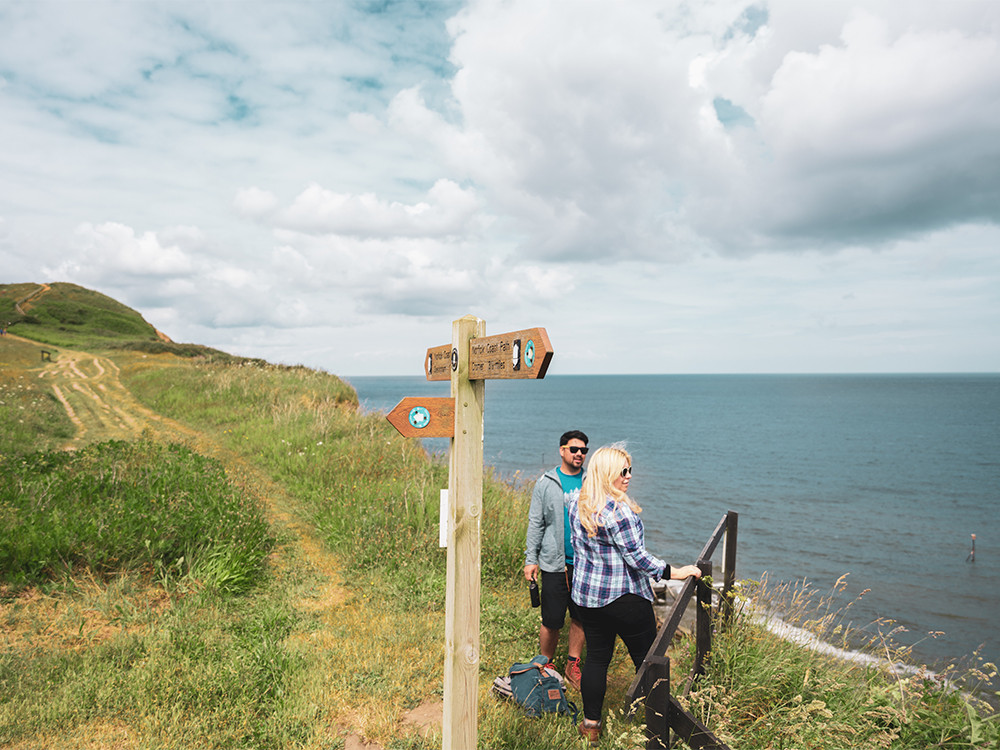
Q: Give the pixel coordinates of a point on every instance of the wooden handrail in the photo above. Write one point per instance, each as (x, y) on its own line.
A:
(713, 541)
(651, 680)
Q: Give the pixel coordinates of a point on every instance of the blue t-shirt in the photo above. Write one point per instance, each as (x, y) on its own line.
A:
(570, 483)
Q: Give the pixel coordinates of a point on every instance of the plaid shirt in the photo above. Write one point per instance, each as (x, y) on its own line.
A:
(615, 562)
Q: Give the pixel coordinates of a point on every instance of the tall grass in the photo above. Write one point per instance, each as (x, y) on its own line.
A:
(118, 506)
(372, 495)
(827, 686)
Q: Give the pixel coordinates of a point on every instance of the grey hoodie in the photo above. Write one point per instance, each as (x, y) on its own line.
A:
(544, 540)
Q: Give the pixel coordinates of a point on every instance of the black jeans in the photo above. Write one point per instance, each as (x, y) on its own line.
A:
(629, 617)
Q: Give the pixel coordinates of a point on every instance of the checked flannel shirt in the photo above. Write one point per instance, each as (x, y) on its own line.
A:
(615, 562)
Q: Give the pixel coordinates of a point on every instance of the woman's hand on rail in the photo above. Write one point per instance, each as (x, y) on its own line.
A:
(686, 571)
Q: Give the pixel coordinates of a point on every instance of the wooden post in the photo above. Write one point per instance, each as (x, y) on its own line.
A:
(657, 691)
(729, 574)
(468, 361)
(703, 620)
(465, 503)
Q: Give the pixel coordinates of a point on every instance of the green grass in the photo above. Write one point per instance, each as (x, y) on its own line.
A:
(70, 316)
(202, 673)
(372, 495)
(148, 652)
(183, 350)
(31, 418)
(121, 506)
(10, 295)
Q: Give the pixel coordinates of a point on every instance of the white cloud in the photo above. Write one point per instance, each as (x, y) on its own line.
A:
(701, 186)
(448, 210)
(115, 246)
(598, 128)
(882, 135)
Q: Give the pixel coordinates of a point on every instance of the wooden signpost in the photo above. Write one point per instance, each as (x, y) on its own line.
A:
(470, 360)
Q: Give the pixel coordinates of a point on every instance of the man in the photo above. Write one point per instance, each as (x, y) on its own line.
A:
(549, 552)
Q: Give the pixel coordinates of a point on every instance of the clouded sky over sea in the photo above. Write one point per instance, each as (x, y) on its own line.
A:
(701, 186)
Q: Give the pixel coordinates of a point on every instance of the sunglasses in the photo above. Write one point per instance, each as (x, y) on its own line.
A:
(627, 471)
(577, 449)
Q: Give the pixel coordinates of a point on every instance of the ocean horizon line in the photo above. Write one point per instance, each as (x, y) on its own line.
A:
(550, 375)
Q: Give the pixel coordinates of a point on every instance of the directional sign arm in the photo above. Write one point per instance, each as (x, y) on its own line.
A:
(517, 355)
(438, 363)
(424, 417)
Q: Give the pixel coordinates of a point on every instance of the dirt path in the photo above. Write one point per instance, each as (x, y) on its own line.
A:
(101, 407)
(89, 387)
(22, 305)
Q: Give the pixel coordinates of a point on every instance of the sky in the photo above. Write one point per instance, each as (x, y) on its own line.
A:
(704, 186)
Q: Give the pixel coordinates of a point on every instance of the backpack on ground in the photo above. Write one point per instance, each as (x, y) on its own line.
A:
(535, 688)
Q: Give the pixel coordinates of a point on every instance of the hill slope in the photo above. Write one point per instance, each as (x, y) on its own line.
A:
(66, 315)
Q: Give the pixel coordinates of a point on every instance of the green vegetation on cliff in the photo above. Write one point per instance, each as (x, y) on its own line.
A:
(145, 603)
(68, 315)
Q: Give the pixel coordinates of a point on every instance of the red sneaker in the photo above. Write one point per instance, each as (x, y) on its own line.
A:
(572, 675)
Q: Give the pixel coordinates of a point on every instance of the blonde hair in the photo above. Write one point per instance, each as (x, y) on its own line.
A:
(604, 467)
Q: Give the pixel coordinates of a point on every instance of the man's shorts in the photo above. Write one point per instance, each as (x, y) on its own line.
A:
(556, 600)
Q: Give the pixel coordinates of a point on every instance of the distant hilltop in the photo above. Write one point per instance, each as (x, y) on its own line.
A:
(61, 314)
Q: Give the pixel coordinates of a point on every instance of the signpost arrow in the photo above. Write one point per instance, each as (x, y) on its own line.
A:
(424, 417)
(507, 356)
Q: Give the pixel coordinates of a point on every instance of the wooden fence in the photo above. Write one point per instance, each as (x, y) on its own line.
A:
(652, 681)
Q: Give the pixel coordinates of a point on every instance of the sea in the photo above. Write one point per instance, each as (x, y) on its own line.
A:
(880, 478)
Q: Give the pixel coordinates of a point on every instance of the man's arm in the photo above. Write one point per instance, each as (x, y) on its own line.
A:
(536, 528)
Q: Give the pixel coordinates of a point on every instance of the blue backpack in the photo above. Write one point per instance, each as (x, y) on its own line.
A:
(536, 689)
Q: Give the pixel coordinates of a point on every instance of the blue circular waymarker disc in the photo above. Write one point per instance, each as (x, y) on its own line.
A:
(419, 417)
(529, 353)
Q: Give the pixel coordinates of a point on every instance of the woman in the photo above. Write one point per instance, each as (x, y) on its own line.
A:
(611, 579)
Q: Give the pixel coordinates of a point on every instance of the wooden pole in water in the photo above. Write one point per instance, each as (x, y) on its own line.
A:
(465, 503)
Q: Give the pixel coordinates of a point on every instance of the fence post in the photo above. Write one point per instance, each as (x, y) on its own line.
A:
(729, 575)
(703, 619)
(656, 688)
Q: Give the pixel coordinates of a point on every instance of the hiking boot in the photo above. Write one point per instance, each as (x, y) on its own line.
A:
(590, 732)
(572, 674)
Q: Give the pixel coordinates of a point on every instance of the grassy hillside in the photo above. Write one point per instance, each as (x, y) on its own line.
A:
(66, 315)
(259, 568)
